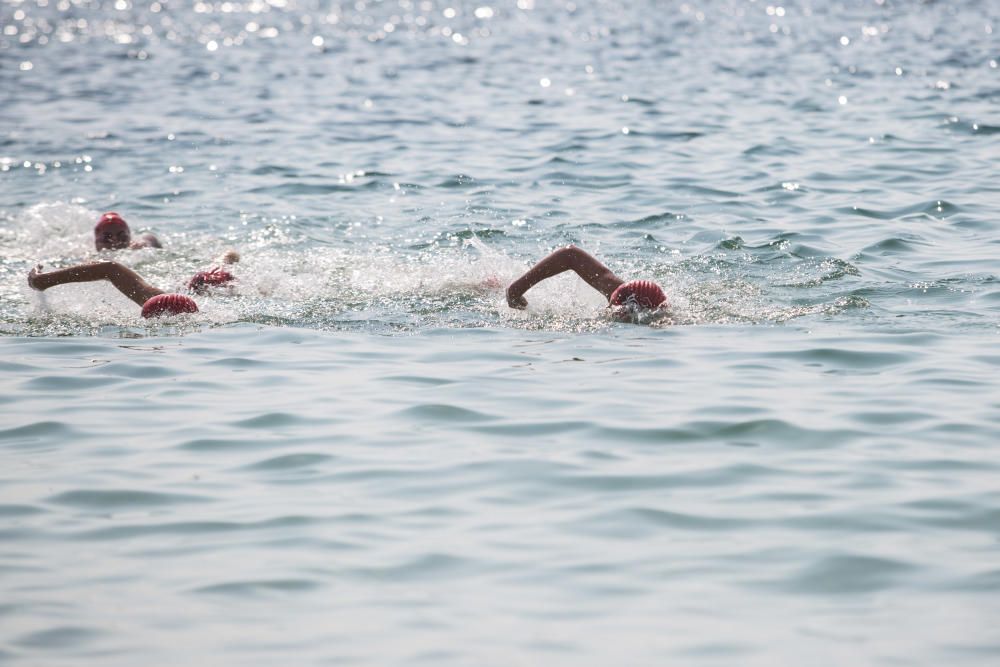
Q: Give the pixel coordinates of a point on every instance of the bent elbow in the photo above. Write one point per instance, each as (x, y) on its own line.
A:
(570, 253)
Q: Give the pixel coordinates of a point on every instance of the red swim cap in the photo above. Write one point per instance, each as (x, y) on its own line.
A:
(110, 218)
(202, 280)
(169, 304)
(641, 293)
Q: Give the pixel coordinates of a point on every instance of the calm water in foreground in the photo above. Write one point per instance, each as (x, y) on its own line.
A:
(363, 457)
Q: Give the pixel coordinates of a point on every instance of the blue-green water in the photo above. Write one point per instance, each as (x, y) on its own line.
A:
(364, 457)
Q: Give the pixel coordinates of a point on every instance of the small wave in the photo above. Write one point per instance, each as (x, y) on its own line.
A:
(42, 433)
(304, 189)
(233, 444)
(724, 476)
(531, 428)
(273, 420)
(18, 511)
(121, 499)
(778, 148)
(756, 431)
(936, 208)
(828, 269)
(848, 574)
(458, 181)
(444, 413)
(256, 588)
(427, 567)
(289, 462)
(657, 219)
(666, 136)
(640, 522)
(191, 528)
(275, 170)
(893, 246)
(972, 128)
(987, 582)
(589, 181)
(845, 358)
(172, 195)
(58, 638)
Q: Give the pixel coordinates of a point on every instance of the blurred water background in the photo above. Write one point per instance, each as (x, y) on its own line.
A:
(362, 456)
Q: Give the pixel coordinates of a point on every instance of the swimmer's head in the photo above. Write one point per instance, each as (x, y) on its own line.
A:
(168, 304)
(637, 299)
(229, 257)
(112, 232)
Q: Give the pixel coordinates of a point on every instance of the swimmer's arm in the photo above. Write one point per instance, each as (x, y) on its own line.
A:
(569, 258)
(125, 279)
(146, 241)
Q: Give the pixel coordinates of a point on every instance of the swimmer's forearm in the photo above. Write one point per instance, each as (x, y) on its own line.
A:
(125, 279)
(131, 283)
(75, 274)
(551, 265)
(570, 258)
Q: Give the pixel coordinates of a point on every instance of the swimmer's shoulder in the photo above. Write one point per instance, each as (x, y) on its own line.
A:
(147, 240)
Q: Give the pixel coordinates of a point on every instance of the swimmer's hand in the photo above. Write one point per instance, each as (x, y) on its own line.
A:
(516, 299)
(203, 280)
(33, 281)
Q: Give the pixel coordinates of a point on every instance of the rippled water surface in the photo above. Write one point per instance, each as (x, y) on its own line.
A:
(361, 456)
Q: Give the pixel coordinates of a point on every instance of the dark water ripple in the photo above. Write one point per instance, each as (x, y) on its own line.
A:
(119, 500)
(847, 574)
(290, 462)
(19, 510)
(255, 588)
(58, 639)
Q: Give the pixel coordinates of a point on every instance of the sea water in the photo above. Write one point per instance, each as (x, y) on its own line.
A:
(361, 456)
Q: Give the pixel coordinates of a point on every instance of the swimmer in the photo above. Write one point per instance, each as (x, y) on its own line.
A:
(154, 301)
(626, 299)
(112, 233)
(203, 281)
